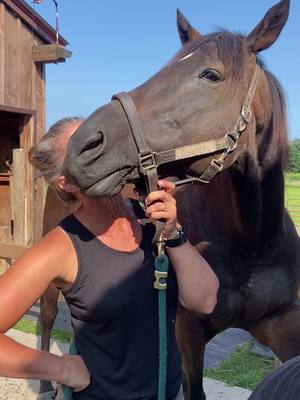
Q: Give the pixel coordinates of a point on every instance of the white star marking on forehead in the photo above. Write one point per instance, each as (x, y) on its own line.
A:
(187, 56)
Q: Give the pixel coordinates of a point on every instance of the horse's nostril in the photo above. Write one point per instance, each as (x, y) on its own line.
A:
(95, 142)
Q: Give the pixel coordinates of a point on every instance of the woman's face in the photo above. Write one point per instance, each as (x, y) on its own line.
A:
(68, 131)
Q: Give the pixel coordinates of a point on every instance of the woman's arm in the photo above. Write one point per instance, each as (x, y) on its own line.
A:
(52, 259)
(197, 283)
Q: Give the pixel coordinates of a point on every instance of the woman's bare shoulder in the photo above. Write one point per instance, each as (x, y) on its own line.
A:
(49, 260)
(55, 244)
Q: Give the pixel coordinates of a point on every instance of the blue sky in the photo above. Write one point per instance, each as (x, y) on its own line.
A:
(118, 44)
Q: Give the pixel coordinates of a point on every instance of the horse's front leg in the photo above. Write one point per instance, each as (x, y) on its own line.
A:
(48, 312)
(191, 341)
(281, 333)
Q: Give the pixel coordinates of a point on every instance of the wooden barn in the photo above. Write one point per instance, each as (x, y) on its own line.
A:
(27, 44)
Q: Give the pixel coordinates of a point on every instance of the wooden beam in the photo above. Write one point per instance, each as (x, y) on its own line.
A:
(50, 53)
(17, 110)
(11, 251)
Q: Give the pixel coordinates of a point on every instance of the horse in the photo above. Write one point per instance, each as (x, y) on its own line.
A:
(214, 115)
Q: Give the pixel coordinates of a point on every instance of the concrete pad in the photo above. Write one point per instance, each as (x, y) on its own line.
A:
(216, 390)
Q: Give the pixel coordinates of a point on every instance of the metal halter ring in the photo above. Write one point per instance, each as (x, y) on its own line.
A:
(234, 137)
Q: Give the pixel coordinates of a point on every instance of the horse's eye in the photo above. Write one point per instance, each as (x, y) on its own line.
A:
(211, 75)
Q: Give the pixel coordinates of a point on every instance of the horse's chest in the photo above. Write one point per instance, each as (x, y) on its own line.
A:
(268, 289)
(247, 296)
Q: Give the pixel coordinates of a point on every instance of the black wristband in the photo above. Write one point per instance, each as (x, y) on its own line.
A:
(178, 240)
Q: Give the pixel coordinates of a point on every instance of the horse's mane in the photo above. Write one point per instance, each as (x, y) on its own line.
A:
(274, 144)
(272, 137)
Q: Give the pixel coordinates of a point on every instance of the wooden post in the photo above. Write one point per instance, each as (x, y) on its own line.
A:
(2, 51)
(26, 141)
(19, 197)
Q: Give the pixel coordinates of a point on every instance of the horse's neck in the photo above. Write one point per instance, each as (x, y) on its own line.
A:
(261, 205)
(273, 203)
(237, 211)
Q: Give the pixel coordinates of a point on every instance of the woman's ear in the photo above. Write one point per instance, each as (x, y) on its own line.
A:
(65, 185)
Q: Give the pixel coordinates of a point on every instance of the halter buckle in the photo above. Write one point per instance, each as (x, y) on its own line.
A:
(246, 113)
(216, 165)
(147, 162)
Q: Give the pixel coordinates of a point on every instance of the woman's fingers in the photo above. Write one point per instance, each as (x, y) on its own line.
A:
(159, 215)
(159, 195)
(159, 206)
(168, 186)
(162, 211)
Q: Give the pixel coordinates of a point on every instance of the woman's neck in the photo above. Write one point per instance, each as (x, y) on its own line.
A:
(111, 220)
(105, 213)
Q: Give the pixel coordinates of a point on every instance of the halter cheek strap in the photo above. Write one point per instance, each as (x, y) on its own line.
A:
(147, 160)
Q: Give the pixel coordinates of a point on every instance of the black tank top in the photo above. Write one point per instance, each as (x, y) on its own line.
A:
(114, 314)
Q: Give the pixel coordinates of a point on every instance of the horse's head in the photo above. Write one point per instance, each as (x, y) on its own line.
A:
(203, 97)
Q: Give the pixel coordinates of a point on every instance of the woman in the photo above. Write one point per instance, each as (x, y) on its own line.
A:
(101, 258)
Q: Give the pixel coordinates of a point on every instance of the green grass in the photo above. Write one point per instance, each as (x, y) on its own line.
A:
(242, 368)
(32, 327)
(292, 194)
(292, 197)
(295, 176)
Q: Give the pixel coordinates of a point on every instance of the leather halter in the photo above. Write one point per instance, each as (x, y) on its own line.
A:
(149, 160)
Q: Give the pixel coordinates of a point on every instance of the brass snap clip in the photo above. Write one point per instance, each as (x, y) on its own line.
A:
(158, 276)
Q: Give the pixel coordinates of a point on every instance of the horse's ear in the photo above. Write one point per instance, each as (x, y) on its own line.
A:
(268, 30)
(185, 29)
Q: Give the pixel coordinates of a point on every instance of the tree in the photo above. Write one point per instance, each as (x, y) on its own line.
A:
(294, 157)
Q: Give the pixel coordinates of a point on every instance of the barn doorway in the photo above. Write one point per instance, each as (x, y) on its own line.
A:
(17, 130)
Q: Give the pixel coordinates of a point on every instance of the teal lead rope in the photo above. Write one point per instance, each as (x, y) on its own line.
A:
(161, 274)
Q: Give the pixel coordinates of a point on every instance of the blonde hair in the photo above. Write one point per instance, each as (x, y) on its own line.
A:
(46, 156)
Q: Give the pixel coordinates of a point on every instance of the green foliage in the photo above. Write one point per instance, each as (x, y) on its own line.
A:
(242, 368)
(294, 157)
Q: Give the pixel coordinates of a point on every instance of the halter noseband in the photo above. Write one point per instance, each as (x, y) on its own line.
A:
(149, 160)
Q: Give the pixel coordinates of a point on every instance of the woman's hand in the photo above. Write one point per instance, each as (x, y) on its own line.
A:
(75, 373)
(161, 205)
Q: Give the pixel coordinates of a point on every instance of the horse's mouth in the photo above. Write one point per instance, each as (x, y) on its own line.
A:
(110, 185)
